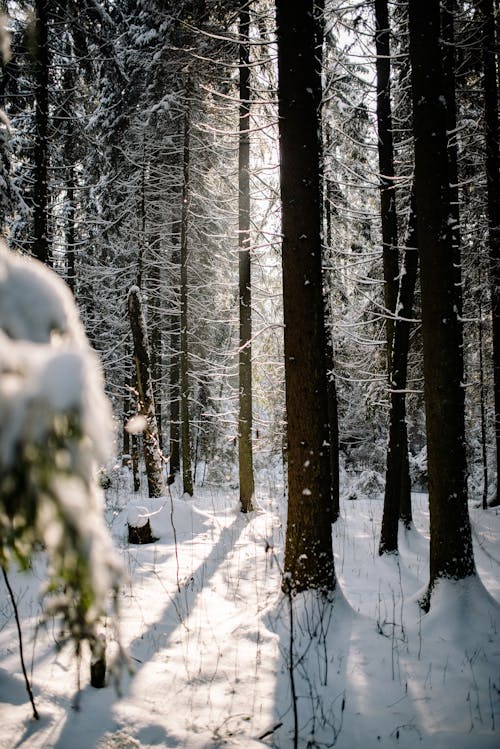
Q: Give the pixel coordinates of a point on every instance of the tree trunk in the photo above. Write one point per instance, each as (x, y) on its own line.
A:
(482, 398)
(175, 432)
(152, 455)
(245, 456)
(386, 169)
(449, 66)
(326, 227)
(397, 500)
(451, 554)
(71, 231)
(490, 92)
(155, 302)
(40, 246)
(308, 550)
(397, 487)
(187, 476)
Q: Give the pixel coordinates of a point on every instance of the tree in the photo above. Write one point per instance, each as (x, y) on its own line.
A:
(245, 294)
(41, 154)
(451, 554)
(386, 168)
(308, 551)
(397, 423)
(187, 475)
(490, 96)
(60, 426)
(152, 456)
(397, 493)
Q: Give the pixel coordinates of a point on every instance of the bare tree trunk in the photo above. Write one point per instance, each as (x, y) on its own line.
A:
(187, 475)
(490, 92)
(386, 169)
(155, 326)
(245, 456)
(482, 397)
(40, 246)
(448, 9)
(326, 226)
(451, 553)
(152, 454)
(397, 498)
(308, 550)
(395, 482)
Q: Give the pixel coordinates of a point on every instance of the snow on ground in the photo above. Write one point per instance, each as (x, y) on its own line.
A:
(213, 664)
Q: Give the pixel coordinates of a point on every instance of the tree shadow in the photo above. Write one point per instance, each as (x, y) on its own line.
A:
(100, 702)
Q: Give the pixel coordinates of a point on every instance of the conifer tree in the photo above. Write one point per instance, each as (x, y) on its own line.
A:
(451, 553)
(308, 553)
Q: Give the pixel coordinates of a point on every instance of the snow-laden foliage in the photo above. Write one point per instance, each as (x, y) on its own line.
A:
(56, 425)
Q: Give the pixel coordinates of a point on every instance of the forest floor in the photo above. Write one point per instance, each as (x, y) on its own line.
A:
(207, 630)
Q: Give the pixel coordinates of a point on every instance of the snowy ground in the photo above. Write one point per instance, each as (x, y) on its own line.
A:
(208, 634)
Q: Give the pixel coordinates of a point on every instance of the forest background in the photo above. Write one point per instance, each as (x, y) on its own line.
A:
(141, 162)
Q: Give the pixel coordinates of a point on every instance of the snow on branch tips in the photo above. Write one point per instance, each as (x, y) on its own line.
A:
(56, 426)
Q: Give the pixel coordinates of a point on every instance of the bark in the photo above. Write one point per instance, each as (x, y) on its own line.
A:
(135, 463)
(397, 501)
(71, 231)
(187, 476)
(326, 225)
(154, 283)
(175, 433)
(333, 423)
(451, 554)
(490, 93)
(386, 169)
(482, 397)
(308, 549)
(40, 246)
(449, 66)
(141, 534)
(245, 455)
(397, 488)
(152, 455)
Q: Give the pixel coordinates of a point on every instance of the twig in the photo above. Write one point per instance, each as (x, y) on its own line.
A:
(20, 638)
(269, 731)
(291, 666)
(175, 538)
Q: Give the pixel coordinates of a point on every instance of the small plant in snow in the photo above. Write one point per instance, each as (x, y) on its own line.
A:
(56, 425)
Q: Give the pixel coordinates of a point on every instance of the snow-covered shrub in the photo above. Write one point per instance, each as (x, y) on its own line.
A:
(366, 484)
(55, 427)
(418, 469)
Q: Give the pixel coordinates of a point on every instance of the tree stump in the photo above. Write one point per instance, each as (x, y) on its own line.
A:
(140, 534)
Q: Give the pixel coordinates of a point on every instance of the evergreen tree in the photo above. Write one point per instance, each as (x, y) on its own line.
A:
(308, 553)
(451, 554)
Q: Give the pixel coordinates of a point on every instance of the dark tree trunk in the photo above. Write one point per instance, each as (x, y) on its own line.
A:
(451, 554)
(449, 67)
(397, 500)
(308, 551)
(397, 488)
(175, 432)
(154, 293)
(245, 456)
(71, 231)
(333, 420)
(386, 169)
(187, 475)
(40, 246)
(482, 398)
(135, 463)
(152, 455)
(490, 90)
(326, 226)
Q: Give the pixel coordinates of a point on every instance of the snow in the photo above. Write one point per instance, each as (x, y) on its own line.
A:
(208, 633)
(56, 426)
